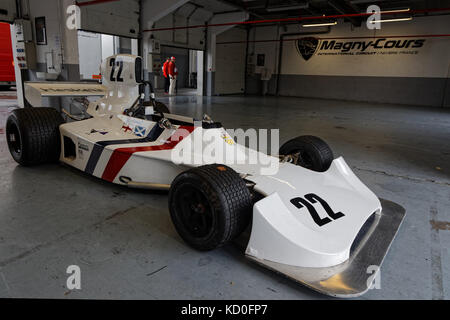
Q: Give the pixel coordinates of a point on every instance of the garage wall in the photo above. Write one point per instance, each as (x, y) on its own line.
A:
(120, 18)
(230, 62)
(414, 75)
(185, 38)
(62, 43)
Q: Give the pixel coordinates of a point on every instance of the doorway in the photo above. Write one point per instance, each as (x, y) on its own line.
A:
(189, 64)
(93, 48)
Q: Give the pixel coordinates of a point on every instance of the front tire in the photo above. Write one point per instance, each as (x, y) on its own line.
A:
(33, 135)
(309, 152)
(209, 206)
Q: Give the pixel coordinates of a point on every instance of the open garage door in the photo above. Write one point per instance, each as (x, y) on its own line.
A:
(7, 10)
(119, 18)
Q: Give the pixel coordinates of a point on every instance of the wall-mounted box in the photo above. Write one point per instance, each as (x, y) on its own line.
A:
(154, 46)
(23, 30)
(26, 55)
(154, 63)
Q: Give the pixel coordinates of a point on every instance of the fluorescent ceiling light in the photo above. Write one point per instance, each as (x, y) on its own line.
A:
(392, 20)
(396, 10)
(320, 24)
(286, 8)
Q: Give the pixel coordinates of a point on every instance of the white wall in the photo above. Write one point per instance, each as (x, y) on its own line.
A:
(431, 61)
(230, 62)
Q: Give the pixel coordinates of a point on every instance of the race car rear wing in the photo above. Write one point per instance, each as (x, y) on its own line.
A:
(35, 91)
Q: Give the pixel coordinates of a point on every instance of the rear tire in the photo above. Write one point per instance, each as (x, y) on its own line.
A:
(209, 206)
(33, 135)
(311, 152)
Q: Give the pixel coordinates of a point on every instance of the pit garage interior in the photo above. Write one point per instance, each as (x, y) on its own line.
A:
(385, 109)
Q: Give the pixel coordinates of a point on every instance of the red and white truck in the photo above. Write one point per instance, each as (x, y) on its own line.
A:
(7, 75)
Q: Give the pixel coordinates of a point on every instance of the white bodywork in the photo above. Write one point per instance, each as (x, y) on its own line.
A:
(304, 243)
(282, 232)
(35, 91)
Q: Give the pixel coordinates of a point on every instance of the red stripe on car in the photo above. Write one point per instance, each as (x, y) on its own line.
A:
(120, 156)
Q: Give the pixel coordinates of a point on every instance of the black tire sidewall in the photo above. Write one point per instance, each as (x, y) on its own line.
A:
(229, 200)
(22, 156)
(208, 190)
(317, 149)
(38, 129)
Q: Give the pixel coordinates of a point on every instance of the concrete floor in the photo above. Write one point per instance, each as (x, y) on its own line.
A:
(53, 216)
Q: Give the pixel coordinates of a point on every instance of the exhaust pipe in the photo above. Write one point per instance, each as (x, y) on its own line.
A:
(144, 185)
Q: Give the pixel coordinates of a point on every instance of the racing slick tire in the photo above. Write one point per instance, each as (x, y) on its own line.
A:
(33, 135)
(313, 153)
(209, 205)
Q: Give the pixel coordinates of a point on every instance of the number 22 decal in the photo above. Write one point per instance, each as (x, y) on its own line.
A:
(113, 64)
(308, 202)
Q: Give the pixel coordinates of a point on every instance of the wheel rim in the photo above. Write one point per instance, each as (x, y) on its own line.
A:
(303, 159)
(13, 138)
(195, 211)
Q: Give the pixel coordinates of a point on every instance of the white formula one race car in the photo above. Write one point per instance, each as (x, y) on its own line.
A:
(312, 220)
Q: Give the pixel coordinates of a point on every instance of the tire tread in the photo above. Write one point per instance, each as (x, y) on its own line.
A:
(40, 134)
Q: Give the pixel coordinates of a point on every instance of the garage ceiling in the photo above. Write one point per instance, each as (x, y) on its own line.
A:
(7, 10)
(116, 17)
(274, 9)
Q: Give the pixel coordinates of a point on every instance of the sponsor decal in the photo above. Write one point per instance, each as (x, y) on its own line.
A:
(83, 146)
(126, 129)
(137, 126)
(227, 139)
(309, 46)
(101, 131)
(139, 131)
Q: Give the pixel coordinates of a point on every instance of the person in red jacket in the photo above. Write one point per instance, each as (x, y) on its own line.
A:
(165, 70)
(173, 72)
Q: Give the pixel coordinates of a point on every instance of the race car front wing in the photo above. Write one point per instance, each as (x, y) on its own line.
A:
(355, 276)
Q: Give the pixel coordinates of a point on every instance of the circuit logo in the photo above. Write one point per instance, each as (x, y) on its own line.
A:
(307, 47)
(381, 43)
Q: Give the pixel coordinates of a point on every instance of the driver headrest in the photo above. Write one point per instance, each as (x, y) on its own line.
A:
(122, 70)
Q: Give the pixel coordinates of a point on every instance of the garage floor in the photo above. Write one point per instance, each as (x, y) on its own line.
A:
(53, 216)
